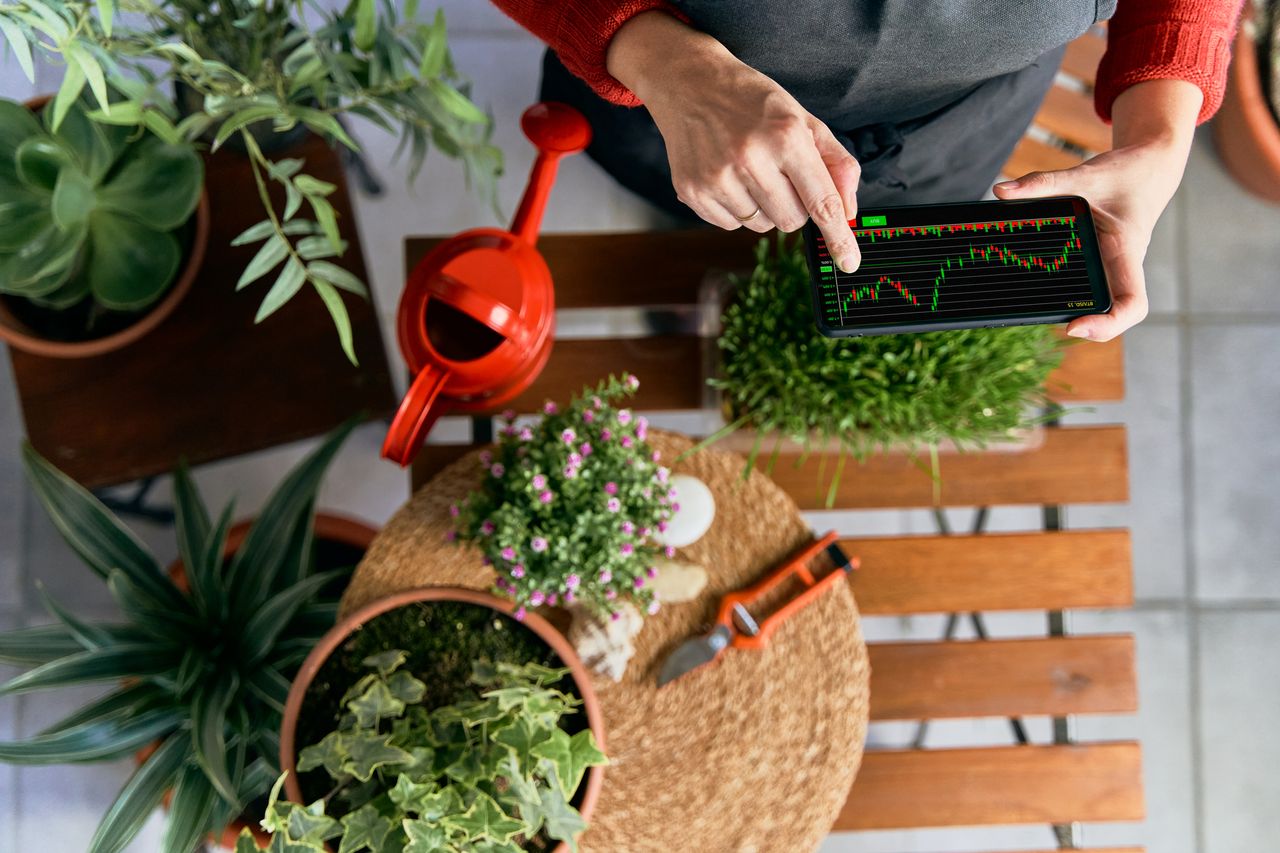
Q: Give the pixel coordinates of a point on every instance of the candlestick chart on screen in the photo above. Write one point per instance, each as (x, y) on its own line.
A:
(957, 270)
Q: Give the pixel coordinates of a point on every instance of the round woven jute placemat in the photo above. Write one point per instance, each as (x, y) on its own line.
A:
(755, 752)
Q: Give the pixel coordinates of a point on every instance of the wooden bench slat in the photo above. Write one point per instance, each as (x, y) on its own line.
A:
(1003, 678)
(956, 574)
(1070, 116)
(1082, 57)
(1078, 464)
(1089, 372)
(897, 789)
(1034, 155)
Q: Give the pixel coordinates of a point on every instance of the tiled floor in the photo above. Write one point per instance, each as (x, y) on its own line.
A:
(1202, 407)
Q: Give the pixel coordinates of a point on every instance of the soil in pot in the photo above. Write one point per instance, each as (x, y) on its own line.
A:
(441, 639)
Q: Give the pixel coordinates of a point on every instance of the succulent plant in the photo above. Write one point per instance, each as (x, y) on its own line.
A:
(90, 209)
(201, 674)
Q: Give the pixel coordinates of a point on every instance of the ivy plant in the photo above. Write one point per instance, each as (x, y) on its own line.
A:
(486, 775)
(286, 63)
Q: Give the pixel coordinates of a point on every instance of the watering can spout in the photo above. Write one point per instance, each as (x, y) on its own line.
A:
(555, 129)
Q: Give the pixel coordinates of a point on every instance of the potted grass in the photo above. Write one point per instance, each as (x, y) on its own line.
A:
(1246, 129)
(255, 73)
(102, 230)
(782, 383)
(433, 719)
(203, 655)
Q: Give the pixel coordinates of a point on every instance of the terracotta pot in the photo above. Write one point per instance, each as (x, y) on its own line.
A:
(1245, 131)
(337, 529)
(590, 788)
(21, 336)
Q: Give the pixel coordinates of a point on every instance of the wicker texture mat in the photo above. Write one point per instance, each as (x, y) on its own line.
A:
(753, 753)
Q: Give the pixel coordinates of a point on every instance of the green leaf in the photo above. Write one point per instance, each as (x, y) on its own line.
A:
(126, 702)
(113, 736)
(266, 227)
(159, 124)
(270, 686)
(39, 161)
(124, 660)
(316, 247)
(123, 114)
(329, 753)
(456, 103)
(156, 183)
(341, 320)
(521, 738)
(367, 752)
(314, 186)
(73, 82)
(152, 616)
(366, 23)
(375, 704)
(324, 123)
(92, 72)
(37, 645)
(91, 531)
(364, 829)
(21, 48)
(191, 523)
(140, 795)
(96, 146)
(425, 837)
(73, 199)
(131, 265)
(209, 733)
(243, 118)
(88, 636)
(285, 287)
(434, 49)
(561, 820)
(405, 687)
(272, 252)
(386, 662)
(190, 811)
(106, 14)
(571, 757)
(263, 629)
(338, 277)
(486, 820)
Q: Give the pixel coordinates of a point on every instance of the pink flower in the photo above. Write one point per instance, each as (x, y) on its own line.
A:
(450, 535)
(675, 507)
(632, 381)
(538, 544)
(508, 553)
(648, 494)
(508, 414)
(519, 614)
(639, 583)
(624, 417)
(546, 497)
(611, 594)
(526, 434)
(596, 402)
(497, 470)
(454, 511)
(627, 442)
(610, 488)
(605, 434)
(628, 527)
(553, 599)
(517, 571)
(485, 561)
(626, 549)
(613, 505)
(569, 597)
(654, 607)
(606, 576)
(652, 571)
(568, 436)
(656, 456)
(671, 494)
(486, 527)
(571, 582)
(615, 616)
(485, 457)
(537, 597)
(539, 481)
(550, 408)
(663, 473)
(570, 472)
(585, 448)
(588, 416)
(670, 550)
(662, 527)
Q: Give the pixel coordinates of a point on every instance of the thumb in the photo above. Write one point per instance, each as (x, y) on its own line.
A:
(1030, 185)
(844, 168)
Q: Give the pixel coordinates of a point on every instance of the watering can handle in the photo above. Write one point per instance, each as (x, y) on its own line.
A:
(555, 129)
(418, 412)
(477, 304)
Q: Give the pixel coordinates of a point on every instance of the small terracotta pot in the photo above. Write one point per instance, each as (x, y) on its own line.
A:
(591, 785)
(21, 336)
(1245, 131)
(328, 527)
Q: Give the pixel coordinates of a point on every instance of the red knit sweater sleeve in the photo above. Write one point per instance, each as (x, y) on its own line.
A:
(1168, 39)
(579, 32)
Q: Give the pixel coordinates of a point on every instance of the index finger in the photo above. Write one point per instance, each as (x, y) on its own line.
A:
(817, 191)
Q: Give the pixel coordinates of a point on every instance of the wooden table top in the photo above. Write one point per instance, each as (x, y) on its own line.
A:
(208, 383)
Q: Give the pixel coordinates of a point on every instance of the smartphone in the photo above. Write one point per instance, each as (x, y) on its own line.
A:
(960, 266)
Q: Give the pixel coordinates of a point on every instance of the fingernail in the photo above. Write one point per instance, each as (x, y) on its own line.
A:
(1008, 185)
(849, 263)
(1079, 333)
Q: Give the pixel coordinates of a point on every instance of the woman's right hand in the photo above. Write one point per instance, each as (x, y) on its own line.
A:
(742, 150)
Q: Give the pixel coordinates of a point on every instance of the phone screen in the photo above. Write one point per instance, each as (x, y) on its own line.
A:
(962, 265)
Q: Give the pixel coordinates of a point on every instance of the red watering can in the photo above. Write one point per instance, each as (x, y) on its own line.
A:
(476, 317)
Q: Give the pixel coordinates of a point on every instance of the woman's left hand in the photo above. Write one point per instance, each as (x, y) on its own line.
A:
(1127, 188)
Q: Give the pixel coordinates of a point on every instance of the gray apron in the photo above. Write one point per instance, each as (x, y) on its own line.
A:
(930, 97)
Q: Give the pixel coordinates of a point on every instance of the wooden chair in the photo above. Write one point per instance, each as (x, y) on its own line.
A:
(1052, 569)
(1066, 131)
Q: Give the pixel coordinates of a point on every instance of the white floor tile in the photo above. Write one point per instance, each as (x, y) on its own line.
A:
(1163, 259)
(1240, 689)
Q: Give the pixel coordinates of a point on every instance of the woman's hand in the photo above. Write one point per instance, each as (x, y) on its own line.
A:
(1127, 188)
(742, 150)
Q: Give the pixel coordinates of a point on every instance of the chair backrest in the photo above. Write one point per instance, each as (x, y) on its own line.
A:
(1050, 570)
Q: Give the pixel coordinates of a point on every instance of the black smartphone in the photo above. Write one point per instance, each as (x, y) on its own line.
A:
(960, 266)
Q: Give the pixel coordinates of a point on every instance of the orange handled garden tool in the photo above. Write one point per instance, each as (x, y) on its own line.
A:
(735, 624)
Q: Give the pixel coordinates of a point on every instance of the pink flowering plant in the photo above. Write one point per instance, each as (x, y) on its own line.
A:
(568, 506)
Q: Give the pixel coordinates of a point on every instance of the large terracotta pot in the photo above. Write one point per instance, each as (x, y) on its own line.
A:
(1245, 131)
(333, 529)
(21, 336)
(589, 791)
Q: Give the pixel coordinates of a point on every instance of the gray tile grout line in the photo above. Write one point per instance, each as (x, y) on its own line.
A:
(1190, 591)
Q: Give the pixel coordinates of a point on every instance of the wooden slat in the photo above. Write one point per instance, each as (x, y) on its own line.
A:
(1082, 57)
(1070, 116)
(1003, 678)
(955, 574)
(971, 787)
(1078, 464)
(1089, 372)
(1073, 465)
(1034, 155)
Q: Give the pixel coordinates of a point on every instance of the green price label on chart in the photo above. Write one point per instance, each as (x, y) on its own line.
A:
(874, 221)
